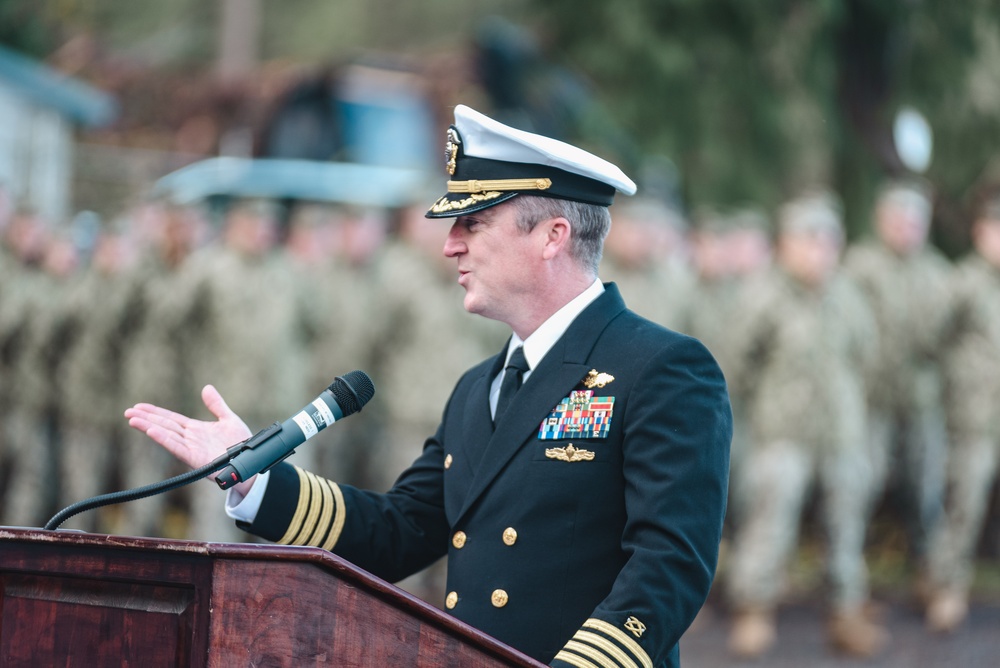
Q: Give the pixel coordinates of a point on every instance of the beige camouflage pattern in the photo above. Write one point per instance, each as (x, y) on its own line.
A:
(909, 297)
(972, 403)
(800, 368)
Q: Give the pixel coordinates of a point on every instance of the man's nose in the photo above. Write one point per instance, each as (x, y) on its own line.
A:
(454, 244)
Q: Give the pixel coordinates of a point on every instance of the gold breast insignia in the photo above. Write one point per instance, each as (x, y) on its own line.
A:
(595, 379)
(569, 454)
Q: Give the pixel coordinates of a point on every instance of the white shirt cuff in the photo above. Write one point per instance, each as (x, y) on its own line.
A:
(245, 508)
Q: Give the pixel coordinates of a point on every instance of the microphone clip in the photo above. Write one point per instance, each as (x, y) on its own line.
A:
(229, 476)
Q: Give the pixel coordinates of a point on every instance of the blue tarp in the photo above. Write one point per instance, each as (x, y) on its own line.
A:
(46, 87)
(312, 180)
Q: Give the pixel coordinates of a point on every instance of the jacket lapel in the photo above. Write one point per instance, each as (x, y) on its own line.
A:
(560, 371)
(477, 422)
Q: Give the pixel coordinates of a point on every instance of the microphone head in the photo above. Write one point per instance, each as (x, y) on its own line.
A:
(352, 391)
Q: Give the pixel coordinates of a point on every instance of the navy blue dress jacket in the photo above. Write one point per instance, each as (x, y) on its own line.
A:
(584, 528)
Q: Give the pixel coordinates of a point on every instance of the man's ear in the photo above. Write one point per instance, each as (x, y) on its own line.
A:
(557, 237)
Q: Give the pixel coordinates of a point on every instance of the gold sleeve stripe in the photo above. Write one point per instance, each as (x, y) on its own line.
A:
(326, 512)
(621, 638)
(300, 509)
(602, 660)
(339, 518)
(315, 505)
(607, 647)
(575, 660)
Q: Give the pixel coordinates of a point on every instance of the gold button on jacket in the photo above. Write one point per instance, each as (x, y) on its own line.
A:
(451, 601)
(458, 540)
(509, 536)
(499, 598)
(447, 461)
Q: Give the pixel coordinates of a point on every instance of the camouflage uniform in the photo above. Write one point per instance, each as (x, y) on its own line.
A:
(8, 353)
(711, 313)
(340, 318)
(101, 308)
(33, 347)
(801, 365)
(908, 295)
(972, 381)
(711, 306)
(657, 290)
(800, 369)
(644, 257)
(156, 368)
(251, 346)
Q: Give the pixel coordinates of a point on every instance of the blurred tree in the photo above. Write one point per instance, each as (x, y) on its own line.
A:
(759, 100)
(27, 27)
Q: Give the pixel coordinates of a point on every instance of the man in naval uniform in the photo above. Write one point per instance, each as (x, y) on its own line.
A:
(582, 517)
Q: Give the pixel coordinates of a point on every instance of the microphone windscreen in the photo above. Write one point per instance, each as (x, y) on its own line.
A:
(352, 391)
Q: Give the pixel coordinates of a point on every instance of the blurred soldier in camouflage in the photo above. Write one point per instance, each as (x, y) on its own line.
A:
(26, 496)
(905, 281)
(729, 251)
(972, 382)
(645, 255)
(37, 336)
(722, 266)
(806, 339)
(158, 363)
(251, 335)
(340, 321)
(101, 309)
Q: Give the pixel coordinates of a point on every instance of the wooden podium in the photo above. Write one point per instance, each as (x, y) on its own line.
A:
(77, 599)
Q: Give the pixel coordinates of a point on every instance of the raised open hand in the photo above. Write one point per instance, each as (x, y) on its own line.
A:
(194, 442)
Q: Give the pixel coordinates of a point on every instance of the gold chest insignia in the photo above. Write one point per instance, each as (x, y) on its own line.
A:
(569, 454)
(635, 626)
(595, 379)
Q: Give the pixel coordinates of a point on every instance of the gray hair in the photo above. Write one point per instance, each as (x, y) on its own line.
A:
(589, 224)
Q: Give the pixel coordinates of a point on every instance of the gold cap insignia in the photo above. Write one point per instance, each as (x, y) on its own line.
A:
(451, 151)
(595, 379)
(635, 626)
(569, 454)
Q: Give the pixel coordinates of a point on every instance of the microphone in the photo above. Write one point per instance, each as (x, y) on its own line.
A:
(345, 396)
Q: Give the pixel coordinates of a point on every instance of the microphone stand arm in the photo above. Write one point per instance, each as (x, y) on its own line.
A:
(148, 490)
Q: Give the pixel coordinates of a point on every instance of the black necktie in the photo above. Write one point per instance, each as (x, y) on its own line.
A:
(511, 382)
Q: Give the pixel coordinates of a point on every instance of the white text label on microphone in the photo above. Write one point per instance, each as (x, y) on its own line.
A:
(312, 422)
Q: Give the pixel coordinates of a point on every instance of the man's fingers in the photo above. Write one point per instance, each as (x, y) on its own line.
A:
(167, 420)
(215, 403)
(167, 438)
(151, 412)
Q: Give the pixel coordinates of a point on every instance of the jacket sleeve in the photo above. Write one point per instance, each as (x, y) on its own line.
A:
(391, 535)
(676, 466)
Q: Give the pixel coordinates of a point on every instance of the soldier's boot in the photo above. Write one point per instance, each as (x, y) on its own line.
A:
(853, 634)
(753, 632)
(946, 610)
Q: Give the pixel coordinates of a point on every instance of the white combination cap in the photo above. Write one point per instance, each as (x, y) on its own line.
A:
(489, 163)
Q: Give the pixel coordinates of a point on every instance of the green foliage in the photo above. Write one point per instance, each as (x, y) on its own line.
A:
(25, 27)
(759, 100)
